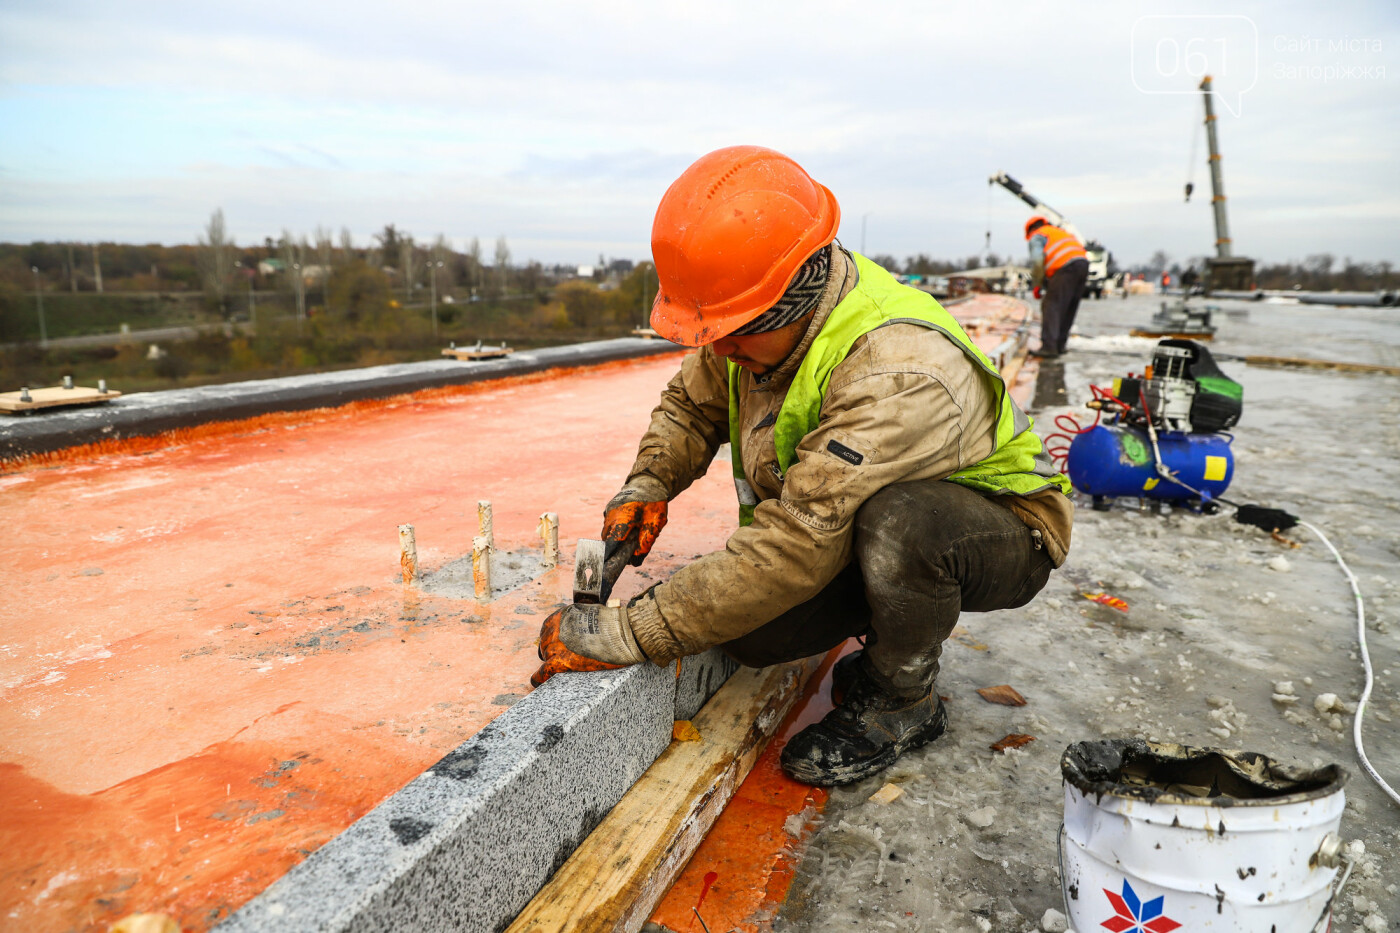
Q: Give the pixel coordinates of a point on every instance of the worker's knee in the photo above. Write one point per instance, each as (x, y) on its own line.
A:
(888, 537)
(908, 527)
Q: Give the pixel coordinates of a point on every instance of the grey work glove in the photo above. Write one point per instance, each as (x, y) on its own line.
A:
(601, 633)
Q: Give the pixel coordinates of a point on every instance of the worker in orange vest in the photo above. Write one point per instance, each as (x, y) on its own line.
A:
(1059, 269)
(885, 481)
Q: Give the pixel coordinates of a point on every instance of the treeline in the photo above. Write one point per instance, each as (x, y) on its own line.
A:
(289, 305)
(221, 269)
(1319, 272)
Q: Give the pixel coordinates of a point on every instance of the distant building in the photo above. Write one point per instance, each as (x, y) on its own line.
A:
(1008, 279)
(270, 266)
(585, 272)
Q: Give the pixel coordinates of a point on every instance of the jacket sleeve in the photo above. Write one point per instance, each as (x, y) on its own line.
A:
(799, 542)
(687, 426)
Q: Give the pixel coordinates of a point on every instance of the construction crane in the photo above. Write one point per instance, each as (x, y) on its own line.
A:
(1096, 253)
(1224, 270)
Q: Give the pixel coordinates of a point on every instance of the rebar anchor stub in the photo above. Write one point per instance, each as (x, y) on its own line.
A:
(408, 554)
(549, 531)
(481, 567)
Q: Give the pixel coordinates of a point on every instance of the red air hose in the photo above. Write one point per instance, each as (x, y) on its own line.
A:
(1069, 426)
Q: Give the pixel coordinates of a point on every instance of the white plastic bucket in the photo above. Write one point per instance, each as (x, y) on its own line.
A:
(1162, 837)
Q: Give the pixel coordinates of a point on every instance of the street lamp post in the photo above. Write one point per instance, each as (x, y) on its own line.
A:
(39, 303)
(432, 277)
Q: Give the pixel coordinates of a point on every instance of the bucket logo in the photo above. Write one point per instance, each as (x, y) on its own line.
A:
(1133, 916)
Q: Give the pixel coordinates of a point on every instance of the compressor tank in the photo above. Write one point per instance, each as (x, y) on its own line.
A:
(1113, 460)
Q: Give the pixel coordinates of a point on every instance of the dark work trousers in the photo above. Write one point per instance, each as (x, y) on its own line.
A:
(924, 552)
(1061, 304)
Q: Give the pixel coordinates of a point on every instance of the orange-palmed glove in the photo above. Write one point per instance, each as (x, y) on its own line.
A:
(636, 516)
(557, 658)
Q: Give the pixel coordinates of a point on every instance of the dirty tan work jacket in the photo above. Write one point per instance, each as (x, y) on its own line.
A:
(906, 398)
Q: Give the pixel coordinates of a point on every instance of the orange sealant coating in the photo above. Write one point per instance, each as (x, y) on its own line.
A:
(210, 666)
(740, 875)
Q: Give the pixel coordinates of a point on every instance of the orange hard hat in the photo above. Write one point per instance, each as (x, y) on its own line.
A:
(728, 238)
(1035, 221)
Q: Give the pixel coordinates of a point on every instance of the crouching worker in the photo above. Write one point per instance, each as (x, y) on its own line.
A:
(886, 480)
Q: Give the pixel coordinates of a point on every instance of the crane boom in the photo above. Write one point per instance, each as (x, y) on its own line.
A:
(1224, 270)
(1217, 183)
(1016, 188)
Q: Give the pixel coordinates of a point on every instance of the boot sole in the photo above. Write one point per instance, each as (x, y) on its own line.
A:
(808, 773)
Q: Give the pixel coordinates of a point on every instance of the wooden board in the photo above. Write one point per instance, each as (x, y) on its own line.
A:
(465, 354)
(1321, 364)
(646, 333)
(1012, 369)
(53, 397)
(618, 875)
(1173, 334)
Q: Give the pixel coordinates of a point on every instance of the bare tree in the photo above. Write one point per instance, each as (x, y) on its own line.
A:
(216, 259)
(474, 252)
(347, 246)
(72, 271)
(407, 258)
(1319, 266)
(97, 268)
(325, 250)
(294, 261)
(502, 261)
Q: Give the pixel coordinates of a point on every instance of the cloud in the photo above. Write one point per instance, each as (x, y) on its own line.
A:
(560, 125)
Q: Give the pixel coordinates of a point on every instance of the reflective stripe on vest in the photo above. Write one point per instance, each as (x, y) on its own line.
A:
(1018, 464)
(1060, 248)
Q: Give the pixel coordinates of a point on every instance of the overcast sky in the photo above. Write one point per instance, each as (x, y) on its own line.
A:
(559, 125)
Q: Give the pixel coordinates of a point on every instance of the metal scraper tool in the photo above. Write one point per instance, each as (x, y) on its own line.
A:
(596, 569)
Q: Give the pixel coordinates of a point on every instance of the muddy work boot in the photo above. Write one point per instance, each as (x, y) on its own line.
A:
(864, 735)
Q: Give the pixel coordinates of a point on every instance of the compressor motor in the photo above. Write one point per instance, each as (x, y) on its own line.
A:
(1164, 439)
(1182, 390)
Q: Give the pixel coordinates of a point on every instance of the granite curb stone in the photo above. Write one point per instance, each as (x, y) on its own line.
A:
(464, 846)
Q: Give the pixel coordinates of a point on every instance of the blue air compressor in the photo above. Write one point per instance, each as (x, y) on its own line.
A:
(1164, 437)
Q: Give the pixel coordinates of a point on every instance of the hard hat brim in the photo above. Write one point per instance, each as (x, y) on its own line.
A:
(703, 325)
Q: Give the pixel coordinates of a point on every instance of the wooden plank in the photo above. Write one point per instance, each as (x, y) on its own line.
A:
(614, 880)
(1173, 334)
(1012, 369)
(1321, 364)
(465, 354)
(53, 397)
